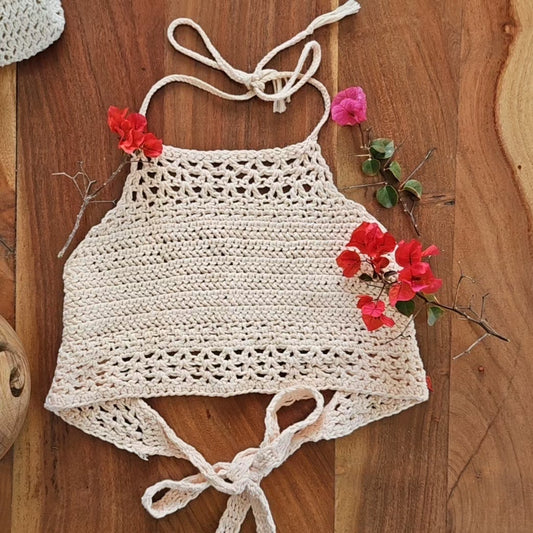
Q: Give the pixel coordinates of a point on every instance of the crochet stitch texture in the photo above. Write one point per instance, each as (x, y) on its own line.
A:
(27, 27)
(215, 275)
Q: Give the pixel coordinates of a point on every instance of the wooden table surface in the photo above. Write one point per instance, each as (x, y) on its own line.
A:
(455, 75)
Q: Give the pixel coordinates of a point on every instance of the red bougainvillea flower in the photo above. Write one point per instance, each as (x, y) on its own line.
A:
(429, 384)
(370, 240)
(380, 263)
(115, 116)
(131, 128)
(401, 292)
(373, 313)
(420, 278)
(410, 253)
(152, 146)
(350, 262)
(349, 107)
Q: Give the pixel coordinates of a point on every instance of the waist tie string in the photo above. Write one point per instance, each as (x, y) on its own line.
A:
(241, 477)
(256, 81)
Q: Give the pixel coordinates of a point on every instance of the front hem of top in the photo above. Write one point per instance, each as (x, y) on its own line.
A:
(416, 391)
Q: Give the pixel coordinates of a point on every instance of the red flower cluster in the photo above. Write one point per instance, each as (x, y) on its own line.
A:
(414, 277)
(131, 128)
(373, 313)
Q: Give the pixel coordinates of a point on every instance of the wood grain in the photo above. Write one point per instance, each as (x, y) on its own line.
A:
(433, 75)
(15, 386)
(490, 477)
(391, 475)
(8, 151)
(515, 103)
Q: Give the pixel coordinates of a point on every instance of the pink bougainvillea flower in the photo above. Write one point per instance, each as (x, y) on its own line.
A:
(410, 253)
(350, 262)
(400, 292)
(373, 313)
(152, 146)
(420, 278)
(370, 240)
(349, 107)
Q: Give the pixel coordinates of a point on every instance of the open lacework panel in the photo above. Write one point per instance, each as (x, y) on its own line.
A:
(215, 275)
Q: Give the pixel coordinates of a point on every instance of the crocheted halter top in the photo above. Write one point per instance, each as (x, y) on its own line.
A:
(215, 275)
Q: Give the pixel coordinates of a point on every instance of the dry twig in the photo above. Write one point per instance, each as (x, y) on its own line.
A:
(88, 194)
(9, 250)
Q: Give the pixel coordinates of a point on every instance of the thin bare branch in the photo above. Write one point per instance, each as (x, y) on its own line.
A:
(410, 213)
(412, 318)
(462, 278)
(464, 313)
(363, 186)
(9, 250)
(482, 310)
(472, 346)
(419, 166)
(88, 195)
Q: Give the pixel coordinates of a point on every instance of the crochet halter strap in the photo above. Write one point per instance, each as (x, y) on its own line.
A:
(256, 81)
(215, 275)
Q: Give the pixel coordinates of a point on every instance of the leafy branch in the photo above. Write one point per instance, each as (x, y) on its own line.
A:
(394, 189)
(404, 284)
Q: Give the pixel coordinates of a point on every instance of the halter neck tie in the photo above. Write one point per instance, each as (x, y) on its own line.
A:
(241, 477)
(285, 84)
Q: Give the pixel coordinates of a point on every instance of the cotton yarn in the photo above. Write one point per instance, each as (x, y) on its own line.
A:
(27, 27)
(215, 275)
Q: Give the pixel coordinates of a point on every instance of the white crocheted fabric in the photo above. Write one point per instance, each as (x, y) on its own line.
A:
(27, 27)
(215, 275)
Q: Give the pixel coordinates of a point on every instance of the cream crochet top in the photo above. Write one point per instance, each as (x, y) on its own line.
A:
(215, 275)
(27, 27)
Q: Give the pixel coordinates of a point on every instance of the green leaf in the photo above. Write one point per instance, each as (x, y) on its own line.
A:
(406, 308)
(365, 277)
(434, 313)
(396, 170)
(382, 148)
(387, 196)
(414, 187)
(370, 167)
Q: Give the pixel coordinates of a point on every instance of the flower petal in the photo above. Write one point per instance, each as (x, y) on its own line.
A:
(430, 251)
(350, 262)
(400, 292)
(433, 286)
(370, 240)
(387, 321)
(380, 263)
(373, 308)
(408, 253)
(137, 121)
(115, 116)
(152, 146)
(363, 300)
(372, 323)
(349, 107)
